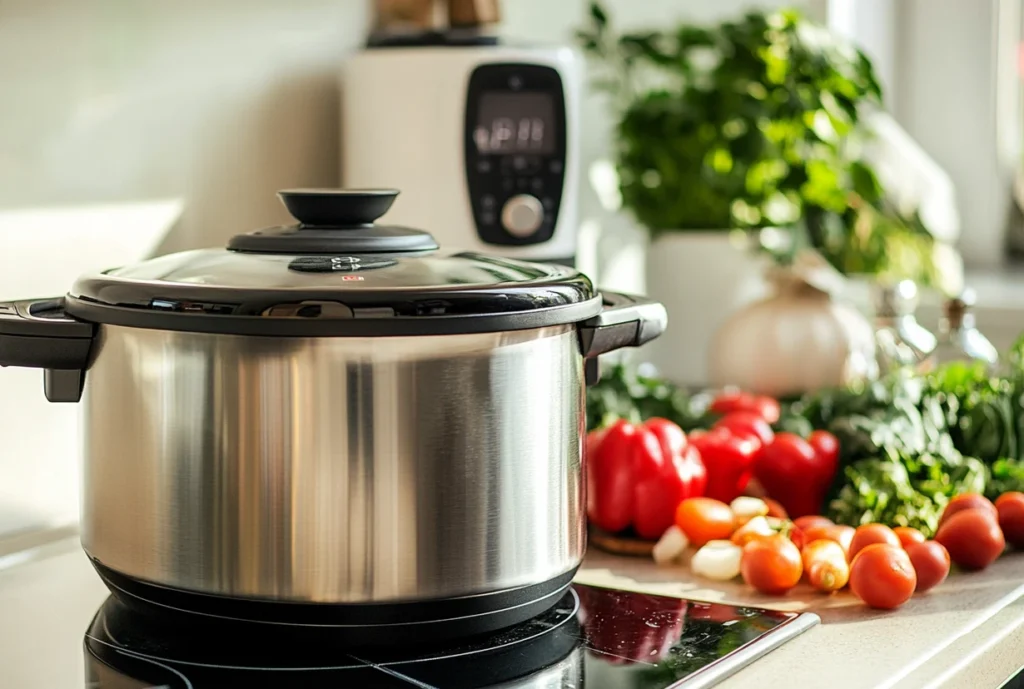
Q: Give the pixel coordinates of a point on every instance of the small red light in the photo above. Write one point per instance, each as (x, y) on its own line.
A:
(351, 278)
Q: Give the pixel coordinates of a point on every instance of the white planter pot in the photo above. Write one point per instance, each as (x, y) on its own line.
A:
(701, 277)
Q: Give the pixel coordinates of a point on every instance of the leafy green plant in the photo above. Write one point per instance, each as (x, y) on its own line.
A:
(754, 123)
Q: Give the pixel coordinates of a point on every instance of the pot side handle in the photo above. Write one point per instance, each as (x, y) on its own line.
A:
(626, 321)
(37, 333)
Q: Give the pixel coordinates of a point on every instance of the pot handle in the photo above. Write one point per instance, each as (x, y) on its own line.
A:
(626, 321)
(37, 333)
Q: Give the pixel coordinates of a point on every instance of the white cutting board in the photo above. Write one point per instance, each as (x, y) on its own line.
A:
(42, 251)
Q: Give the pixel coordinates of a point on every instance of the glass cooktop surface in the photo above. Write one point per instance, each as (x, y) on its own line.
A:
(594, 639)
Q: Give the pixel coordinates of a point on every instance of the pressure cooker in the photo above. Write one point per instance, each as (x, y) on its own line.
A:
(332, 423)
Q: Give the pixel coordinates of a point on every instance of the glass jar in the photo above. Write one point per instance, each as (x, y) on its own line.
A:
(959, 339)
(900, 341)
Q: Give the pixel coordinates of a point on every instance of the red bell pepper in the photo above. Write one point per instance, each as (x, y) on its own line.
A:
(798, 473)
(728, 459)
(766, 407)
(638, 474)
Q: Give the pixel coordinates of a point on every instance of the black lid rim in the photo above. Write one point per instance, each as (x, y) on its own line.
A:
(259, 326)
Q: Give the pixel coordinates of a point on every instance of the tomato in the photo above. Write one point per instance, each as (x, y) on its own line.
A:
(757, 527)
(908, 535)
(882, 576)
(841, 534)
(931, 563)
(825, 445)
(825, 565)
(747, 423)
(972, 537)
(732, 401)
(704, 519)
(771, 565)
(796, 534)
(807, 521)
(1010, 507)
(968, 501)
(871, 533)
(775, 509)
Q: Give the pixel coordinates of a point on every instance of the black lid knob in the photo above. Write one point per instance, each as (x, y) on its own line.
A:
(337, 207)
(335, 221)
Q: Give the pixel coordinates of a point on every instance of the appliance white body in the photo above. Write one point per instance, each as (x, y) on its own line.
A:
(432, 120)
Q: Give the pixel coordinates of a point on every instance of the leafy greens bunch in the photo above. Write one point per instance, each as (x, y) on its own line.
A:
(910, 443)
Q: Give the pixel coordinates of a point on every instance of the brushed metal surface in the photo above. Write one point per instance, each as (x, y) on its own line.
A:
(335, 469)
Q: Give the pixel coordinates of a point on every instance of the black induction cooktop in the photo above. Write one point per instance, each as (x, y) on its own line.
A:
(594, 638)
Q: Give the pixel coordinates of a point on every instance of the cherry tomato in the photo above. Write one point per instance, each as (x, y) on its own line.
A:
(771, 565)
(908, 535)
(775, 509)
(825, 445)
(825, 565)
(840, 533)
(968, 501)
(796, 534)
(883, 576)
(869, 534)
(808, 521)
(972, 538)
(765, 407)
(748, 424)
(931, 563)
(1010, 507)
(705, 519)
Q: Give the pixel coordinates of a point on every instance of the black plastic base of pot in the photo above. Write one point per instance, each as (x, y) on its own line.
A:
(433, 621)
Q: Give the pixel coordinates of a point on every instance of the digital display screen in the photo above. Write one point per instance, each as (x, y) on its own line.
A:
(515, 123)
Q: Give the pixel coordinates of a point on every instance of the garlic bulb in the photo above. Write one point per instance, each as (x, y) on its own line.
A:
(746, 508)
(670, 546)
(718, 560)
(794, 341)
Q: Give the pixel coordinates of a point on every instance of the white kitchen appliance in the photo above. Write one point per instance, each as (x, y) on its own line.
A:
(482, 138)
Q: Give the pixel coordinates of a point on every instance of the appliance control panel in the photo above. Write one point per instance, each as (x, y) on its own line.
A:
(515, 144)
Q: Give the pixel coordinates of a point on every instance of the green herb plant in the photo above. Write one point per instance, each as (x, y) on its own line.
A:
(754, 123)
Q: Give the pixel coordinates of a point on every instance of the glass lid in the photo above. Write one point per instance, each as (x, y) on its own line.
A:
(331, 269)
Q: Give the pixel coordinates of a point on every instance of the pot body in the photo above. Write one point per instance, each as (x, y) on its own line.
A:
(335, 470)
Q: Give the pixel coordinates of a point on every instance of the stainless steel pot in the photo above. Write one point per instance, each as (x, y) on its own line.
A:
(332, 423)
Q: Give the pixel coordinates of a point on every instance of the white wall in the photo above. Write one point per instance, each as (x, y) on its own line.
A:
(947, 100)
(216, 102)
(219, 103)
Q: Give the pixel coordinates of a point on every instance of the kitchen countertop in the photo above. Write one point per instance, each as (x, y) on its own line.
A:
(969, 632)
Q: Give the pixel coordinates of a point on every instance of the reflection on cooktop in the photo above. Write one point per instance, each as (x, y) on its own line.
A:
(593, 638)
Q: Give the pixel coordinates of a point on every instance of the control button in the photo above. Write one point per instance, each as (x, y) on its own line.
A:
(487, 201)
(483, 165)
(508, 184)
(549, 203)
(537, 184)
(555, 166)
(520, 163)
(515, 82)
(487, 218)
(522, 215)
